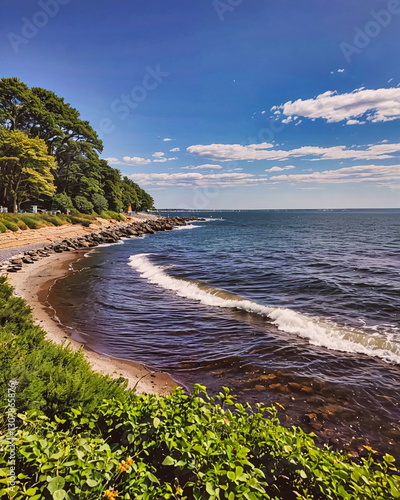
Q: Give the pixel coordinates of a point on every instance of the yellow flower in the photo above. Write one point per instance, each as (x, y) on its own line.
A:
(368, 448)
(110, 494)
(124, 465)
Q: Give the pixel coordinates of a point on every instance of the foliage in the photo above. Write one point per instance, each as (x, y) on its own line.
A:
(83, 205)
(99, 202)
(72, 144)
(51, 377)
(25, 169)
(24, 221)
(187, 447)
(109, 214)
(10, 225)
(63, 202)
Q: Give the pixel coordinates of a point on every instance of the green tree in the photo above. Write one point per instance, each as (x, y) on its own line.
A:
(62, 201)
(25, 169)
(18, 105)
(99, 202)
(83, 205)
(77, 170)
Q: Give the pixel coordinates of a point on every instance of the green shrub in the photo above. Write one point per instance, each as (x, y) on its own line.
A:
(21, 224)
(83, 205)
(62, 201)
(109, 214)
(55, 220)
(99, 202)
(51, 378)
(79, 220)
(29, 220)
(188, 447)
(3, 228)
(10, 225)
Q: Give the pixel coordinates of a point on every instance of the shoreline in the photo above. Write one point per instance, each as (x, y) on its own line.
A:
(33, 282)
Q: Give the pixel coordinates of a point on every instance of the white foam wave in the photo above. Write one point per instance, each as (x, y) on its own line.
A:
(189, 226)
(210, 219)
(317, 331)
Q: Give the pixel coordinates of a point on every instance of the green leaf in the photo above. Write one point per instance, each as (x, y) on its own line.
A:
(168, 461)
(302, 474)
(92, 483)
(57, 483)
(59, 495)
(210, 488)
(152, 478)
(31, 492)
(156, 422)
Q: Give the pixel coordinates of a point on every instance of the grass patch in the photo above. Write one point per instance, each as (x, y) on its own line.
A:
(109, 214)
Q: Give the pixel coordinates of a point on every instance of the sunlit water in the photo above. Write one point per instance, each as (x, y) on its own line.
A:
(299, 307)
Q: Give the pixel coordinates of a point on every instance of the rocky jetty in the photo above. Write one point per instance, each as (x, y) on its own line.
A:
(111, 234)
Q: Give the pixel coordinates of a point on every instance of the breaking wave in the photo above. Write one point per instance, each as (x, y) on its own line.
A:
(317, 331)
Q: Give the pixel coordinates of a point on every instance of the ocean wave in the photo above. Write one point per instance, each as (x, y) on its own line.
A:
(210, 219)
(317, 331)
(189, 226)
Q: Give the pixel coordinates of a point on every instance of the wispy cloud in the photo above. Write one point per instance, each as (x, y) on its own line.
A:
(201, 167)
(167, 139)
(266, 151)
(359, 106)
(163, 159)
(361, 173)
(173, 150)
(158, 154)
(128, 161)
(196, 179)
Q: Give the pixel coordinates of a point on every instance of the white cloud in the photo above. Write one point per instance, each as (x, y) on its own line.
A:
(355, 122)
(380, 105)
(266, 151)
(340, 70)
(195, 179)
(361, 173)
(279, 169)
(167, 139)
(163, 159)
(158, 154)
(173, 150)
(128, 160)
(201, 167)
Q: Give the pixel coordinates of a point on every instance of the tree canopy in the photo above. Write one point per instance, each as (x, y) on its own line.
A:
(25, 168)
(75, 171)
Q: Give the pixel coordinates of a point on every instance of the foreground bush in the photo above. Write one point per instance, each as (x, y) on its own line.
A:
(187, 447)
(51, 378)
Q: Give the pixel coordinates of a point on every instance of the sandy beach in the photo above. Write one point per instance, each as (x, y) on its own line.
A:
(33, 283)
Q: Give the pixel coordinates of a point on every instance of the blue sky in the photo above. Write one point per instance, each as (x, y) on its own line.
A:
(226, 103)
